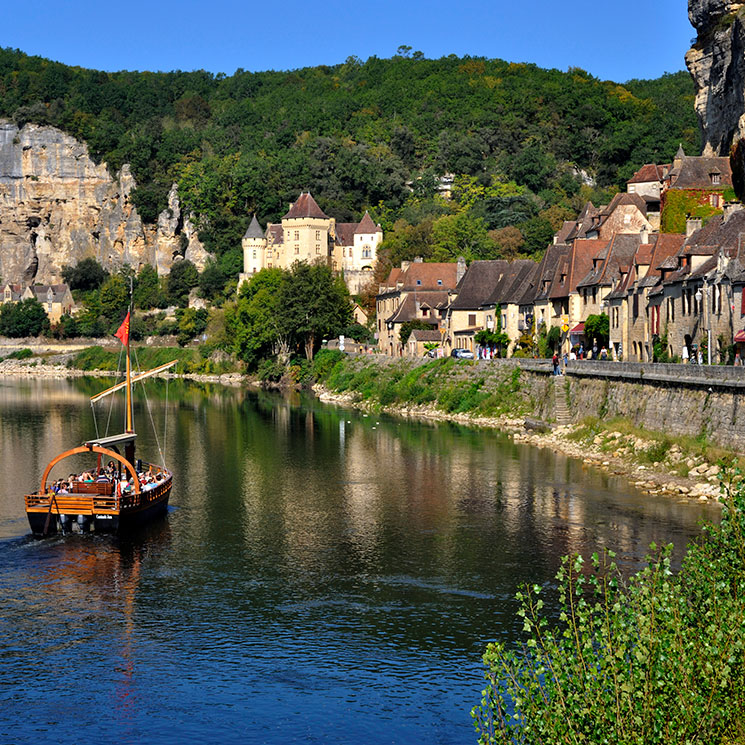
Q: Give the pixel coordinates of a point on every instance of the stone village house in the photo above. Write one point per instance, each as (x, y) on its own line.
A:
(56, 299)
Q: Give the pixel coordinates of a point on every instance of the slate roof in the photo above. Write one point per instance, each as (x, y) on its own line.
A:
(425, 335)
(42, 292)
(478, 284)
(407, 311)
(254, 229)
(275, 235)
(695, 173)
(305, 206)
(548, 266)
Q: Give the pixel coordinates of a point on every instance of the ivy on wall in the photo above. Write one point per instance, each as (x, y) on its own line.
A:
(679, 204)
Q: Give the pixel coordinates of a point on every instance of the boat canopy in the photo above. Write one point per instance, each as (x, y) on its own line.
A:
(106, 442)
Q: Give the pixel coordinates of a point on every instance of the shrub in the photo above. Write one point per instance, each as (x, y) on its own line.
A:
(324, 362)
(654, 659)
(20, 354)
(270, 371)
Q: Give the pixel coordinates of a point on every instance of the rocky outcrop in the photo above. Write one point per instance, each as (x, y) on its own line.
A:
(717, 64)
(57, 207)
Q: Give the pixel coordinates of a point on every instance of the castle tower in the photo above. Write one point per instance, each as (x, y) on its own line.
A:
(254, 251)
(306, 231)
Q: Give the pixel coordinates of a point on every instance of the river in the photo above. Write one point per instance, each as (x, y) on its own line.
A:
(323, 576)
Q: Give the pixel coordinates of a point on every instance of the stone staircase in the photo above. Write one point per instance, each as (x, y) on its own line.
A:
(561, 410)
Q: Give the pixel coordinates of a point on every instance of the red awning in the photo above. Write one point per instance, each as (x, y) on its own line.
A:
(578, 329)
(740, 336)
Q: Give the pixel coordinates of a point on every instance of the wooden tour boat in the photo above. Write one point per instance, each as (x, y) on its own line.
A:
(120, 493)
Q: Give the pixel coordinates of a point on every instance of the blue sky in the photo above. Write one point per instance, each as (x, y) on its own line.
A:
(612, 41)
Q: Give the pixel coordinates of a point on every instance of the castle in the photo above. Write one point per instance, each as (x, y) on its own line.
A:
(307, 234)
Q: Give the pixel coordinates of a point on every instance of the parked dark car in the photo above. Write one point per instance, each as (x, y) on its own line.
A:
(462, 354)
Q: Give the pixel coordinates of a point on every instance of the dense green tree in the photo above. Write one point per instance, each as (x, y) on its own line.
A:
(355, 133)
(313, 304)
(114, 298)
(597, 327)
(87, 274)
(182, 279)
(148, 292)
(253, 321)
(192, 322)
(24, 318)
(211, 282)
(461, 235)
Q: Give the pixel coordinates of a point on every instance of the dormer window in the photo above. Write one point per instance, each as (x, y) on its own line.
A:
(439, 281)
(715, 178)
(419, 281)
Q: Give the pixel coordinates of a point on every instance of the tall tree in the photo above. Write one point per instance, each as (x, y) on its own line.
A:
(313, 305)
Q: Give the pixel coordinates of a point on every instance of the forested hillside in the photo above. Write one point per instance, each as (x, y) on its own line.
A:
(522, 140)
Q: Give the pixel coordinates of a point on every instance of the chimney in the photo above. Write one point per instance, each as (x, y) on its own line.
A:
(460, 269)
(644, 235)
(692, 225)
(730, 208)
(405, 265)
(418, 260)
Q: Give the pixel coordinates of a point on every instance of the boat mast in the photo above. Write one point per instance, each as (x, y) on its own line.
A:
(129, 427)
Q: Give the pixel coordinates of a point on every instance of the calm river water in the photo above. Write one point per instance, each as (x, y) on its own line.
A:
(322, 577)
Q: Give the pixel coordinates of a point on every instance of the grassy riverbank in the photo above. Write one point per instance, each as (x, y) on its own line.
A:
(448, 385)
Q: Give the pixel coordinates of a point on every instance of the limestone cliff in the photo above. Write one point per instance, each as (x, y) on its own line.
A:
(717, 63)
(57, 207)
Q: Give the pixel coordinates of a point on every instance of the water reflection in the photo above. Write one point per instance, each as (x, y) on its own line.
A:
(322, 572)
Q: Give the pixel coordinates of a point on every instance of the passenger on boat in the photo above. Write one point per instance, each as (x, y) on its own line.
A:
(103, 478)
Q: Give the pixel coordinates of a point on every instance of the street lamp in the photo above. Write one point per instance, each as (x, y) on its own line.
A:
(699, 298)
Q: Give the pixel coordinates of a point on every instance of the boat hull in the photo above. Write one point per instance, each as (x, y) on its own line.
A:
(99, 506)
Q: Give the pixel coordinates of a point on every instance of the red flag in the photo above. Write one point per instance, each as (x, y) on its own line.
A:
(123, 333)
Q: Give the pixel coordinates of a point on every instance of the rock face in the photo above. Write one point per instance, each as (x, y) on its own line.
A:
(58, 207)
(717, 64)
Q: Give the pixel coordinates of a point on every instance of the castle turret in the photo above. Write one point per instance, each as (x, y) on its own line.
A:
(254, 251)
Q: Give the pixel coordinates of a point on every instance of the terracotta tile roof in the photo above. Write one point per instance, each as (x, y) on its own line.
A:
(647, 173)
(429, 276)
(695, 173)
(367, 226)
(345, 233)
(305, 206)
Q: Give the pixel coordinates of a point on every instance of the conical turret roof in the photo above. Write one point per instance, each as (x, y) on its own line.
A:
(254, 229)
(366, 225)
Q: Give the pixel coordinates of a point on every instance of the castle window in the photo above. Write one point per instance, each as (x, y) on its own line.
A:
(254, 253)
(318, 235)
(297, 249)
(297, 235)
(318, 249)
(350, 252)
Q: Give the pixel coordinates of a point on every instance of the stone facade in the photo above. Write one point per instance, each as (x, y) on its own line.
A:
(307, 234)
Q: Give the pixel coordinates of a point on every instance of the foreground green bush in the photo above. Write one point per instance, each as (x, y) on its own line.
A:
(658, 658)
